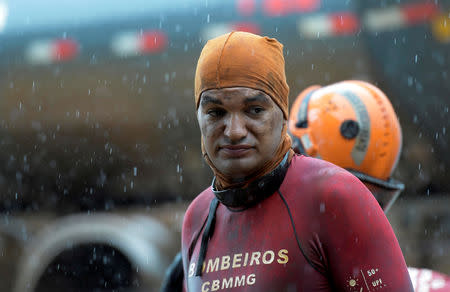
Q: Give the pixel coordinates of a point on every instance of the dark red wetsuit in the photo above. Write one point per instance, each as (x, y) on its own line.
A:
(342, 239)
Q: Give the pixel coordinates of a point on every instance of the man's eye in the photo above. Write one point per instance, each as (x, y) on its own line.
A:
(256, 110)
(215, 112)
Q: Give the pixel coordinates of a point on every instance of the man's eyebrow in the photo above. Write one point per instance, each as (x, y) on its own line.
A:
(209, 99)
(257, 98)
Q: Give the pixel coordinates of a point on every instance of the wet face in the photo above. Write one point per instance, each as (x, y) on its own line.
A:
(241, 129)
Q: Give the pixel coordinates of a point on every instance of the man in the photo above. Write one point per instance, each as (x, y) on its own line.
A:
(274, 221)
(329, 122)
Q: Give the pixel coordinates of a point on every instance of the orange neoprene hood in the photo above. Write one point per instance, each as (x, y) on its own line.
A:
(241, 59)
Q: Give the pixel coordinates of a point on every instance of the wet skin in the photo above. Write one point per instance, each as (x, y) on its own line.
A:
(241, 129)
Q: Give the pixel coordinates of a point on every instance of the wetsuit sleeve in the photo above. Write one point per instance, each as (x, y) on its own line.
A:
(359, 245)
(173, 279)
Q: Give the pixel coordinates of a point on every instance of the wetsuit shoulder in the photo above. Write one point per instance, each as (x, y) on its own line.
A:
(342, 229)
(193, 221)
(311, 177)
(196, 215)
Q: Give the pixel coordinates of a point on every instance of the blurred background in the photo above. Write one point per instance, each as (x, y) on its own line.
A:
(99, 144)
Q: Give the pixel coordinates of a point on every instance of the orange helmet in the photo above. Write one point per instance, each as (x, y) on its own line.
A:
(353, 125)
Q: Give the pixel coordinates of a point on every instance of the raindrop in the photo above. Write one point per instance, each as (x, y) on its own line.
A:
(322, 207)
(135, 171)
(207, 18)
(93, 59)
(410, 81)
(415, 59)
(419, 87)
(415, 119)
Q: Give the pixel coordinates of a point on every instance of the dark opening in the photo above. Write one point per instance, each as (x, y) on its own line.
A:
(89, 267)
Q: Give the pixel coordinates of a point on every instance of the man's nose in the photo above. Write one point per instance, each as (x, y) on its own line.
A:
(235, 128)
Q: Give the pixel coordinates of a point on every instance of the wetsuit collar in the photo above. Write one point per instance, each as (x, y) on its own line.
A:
(256, 191)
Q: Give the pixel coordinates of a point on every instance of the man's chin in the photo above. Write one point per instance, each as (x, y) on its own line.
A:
(239, 168)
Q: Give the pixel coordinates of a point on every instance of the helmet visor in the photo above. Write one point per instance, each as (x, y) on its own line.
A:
(385, 197)
(384, 191)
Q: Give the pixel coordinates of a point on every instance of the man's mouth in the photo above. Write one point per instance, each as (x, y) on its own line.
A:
(235, 151)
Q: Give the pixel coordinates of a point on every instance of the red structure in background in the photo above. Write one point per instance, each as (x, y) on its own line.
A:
(344, 23)
(64, 49)
(285, 7)
(153, 41)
